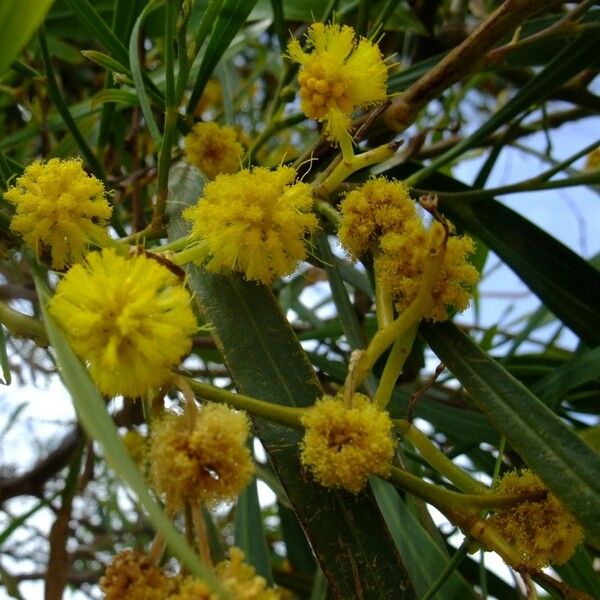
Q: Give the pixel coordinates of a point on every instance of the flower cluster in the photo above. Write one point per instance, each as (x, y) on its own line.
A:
(254, 222)
(131, 576)
(380, 217)
(342, 446)
(204, 460)
(129, 319)
(542, 531)
(59, 207)
(339, 76)
(213, 149)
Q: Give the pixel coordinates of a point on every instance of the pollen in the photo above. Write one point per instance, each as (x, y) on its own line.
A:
(132, 576)
(401, 261)
(340, 74)
(129, 319)
(205, 460)
(60, 208)
(342, 446)
(254, 222)
(377, 207)
(213, 149)
(542, 531)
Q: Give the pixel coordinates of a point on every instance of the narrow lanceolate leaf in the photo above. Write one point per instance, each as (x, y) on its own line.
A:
(100, 427)
(19, 20)
(566, 464)
(266, 360)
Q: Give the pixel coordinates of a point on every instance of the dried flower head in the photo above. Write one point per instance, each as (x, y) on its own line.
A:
(340, 75)
(375, 208)
(213, 149)
(206, 459)
(401, 261)
(129, 319)
(543, 531)
(254, 222)
(343, 446)
(132, 576)
(59, 207)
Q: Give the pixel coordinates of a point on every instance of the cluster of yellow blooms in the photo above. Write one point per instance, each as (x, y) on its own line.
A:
(542, 531)
(339, 76)
(61, 208)
(342, 445)
(380, 217)
(131, 576)
(213, 149)
(201, 458)
(254, 222)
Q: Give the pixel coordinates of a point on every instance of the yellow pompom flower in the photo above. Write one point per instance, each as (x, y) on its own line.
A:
(254, 222)
(342, 446)
(132, 576)
(241, 581)
(129, 319)
(135, 444)
(212, 95)
(401, 261)
(213, 149)
(340, 75)
(377, 207)
(59, 207)
(542, 531)
(206, 460)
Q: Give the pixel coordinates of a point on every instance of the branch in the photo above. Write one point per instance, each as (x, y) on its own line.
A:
(461, 61)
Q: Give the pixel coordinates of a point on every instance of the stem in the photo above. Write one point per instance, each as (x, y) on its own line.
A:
(195, 253)
(394, 365)
(451, 565)
(437, 459)
(273, 412)
(347, 166)
(201, 534)
(329, 212)
(384, 309)
(23, 326)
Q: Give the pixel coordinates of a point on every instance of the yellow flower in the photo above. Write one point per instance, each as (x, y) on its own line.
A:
(60, 207)
(401, 261)
(377, 207)
(212, 95)
(131, 576)
(338, 76)
(129, 319)
(254, 222)
(343, 446)
(191, 588)
(542, 531)
(213, 149)
(135, 444)
(241, 580)
(206, 460)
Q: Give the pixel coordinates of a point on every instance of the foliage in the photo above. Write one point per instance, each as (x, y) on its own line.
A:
(237, 144)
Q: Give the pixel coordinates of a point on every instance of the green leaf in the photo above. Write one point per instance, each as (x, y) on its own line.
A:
(423, 558)
(94, 418)
(250, 534)
(19, 19)
(4, 364)
(115, 96)
(247, 323)
(579, 573)
(566, 464)
(231, 19)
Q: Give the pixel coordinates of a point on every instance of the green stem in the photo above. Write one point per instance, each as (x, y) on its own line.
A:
(329, 212)
(450, 567)
(384, 308)
(273, 412)
(437, 459)
(21, 325)
(57, 99)
(195, 253)
(393, 366)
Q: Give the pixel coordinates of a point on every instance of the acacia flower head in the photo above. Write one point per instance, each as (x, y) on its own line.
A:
(59, 207)
(206, 460)
(342, 446)
(213, 149)
(132, 576)
(254, 222)
(338, 76)
(401, 262)
(542, 531)
(211, 96)
(375, 208)
(129, 319)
